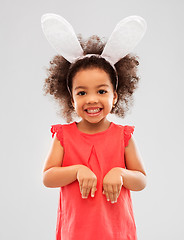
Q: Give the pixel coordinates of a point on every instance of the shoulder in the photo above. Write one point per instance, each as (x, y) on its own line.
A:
(125, 129)
(126, 132)
(60, 130)
(60, 127)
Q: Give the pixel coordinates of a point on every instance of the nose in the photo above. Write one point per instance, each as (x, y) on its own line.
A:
(91, 99)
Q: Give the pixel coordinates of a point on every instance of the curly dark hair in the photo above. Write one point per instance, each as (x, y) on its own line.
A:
(61, 72)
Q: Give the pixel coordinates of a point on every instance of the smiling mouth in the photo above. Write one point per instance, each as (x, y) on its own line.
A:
(95, 110)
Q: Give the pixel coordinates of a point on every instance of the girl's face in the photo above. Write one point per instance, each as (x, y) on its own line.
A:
(93, 95)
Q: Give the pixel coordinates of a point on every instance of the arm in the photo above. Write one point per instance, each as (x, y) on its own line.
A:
(54, 175)
(134, 176)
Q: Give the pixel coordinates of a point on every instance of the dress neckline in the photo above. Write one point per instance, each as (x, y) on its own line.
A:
(93, 134)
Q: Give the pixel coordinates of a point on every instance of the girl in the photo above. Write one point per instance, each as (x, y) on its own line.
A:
(95, 162)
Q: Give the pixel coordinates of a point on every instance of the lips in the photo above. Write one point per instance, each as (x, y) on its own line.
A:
(93, 111)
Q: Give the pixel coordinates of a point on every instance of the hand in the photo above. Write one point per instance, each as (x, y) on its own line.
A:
(112, 184)
(87, 181)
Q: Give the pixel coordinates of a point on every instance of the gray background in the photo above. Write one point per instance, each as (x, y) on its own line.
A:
(27, 208)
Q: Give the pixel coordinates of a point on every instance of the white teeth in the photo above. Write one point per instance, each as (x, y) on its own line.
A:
(93, 110)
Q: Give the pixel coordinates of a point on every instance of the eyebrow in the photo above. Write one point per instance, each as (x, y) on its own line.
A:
(101, 85)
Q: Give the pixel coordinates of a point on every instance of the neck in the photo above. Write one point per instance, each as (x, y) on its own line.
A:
(91, 128)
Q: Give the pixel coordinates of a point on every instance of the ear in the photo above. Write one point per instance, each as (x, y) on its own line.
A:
(72, 101)
(115, 98)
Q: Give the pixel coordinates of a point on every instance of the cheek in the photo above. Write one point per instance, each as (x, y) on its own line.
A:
(110, 104)
(110, 100)
(77, 103)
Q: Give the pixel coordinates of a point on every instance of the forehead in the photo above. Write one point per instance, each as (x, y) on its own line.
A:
(91, 78)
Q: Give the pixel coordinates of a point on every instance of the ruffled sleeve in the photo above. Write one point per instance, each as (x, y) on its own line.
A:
(128, 131)
(57, 129)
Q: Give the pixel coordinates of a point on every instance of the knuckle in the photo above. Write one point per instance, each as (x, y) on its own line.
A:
(95, 179)
(115, 184)
(110, 192)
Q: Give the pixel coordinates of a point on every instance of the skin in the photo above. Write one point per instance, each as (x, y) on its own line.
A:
(92, 89)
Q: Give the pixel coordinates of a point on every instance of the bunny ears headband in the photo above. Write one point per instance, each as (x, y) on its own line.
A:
(61, 36)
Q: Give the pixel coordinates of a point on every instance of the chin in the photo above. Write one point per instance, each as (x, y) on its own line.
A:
(94, 121)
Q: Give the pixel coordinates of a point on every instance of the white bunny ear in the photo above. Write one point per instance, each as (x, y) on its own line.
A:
(126, 35)
(61, 36)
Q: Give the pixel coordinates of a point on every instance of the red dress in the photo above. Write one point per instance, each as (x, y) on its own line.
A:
(94, 218)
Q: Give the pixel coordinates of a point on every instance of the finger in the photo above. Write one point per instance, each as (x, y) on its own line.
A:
(115, 192)
(119, 189)
(84, 188)
(107, 196)
(111, 194)
(93, 189)
(106, 192)
(87, 192)
(80, 185)
(89, 187)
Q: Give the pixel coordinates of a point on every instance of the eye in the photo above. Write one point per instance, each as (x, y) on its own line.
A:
(102, 91)
(81, 93)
